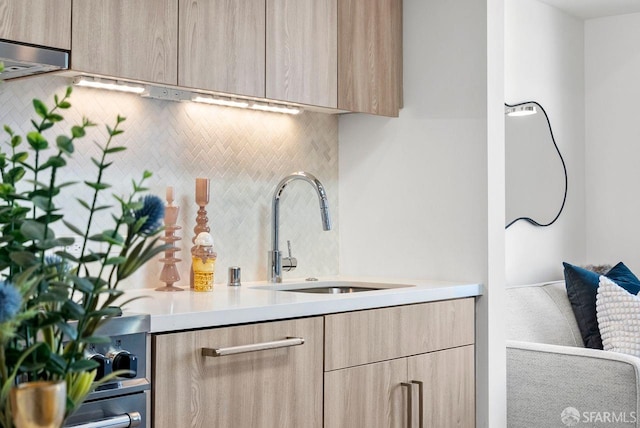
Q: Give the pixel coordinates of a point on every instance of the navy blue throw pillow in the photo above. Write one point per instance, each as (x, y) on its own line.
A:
(582, 288)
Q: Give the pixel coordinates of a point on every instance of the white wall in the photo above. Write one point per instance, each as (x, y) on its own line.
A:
(612, 63)
(544, 62)
(414, 190)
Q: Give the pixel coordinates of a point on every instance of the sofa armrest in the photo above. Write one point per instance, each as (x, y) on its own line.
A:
(543, 380)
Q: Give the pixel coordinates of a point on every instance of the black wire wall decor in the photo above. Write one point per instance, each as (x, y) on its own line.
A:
(564, 167)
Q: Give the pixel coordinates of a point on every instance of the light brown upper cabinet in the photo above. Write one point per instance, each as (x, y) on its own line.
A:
(129, 39)
(222, 46)
(302, 51)
(344, 54)
(38, 22)
(370, 56)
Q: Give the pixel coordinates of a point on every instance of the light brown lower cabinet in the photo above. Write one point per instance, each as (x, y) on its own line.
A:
(407, 366)
(369, 396)
(271, 388)
(448, 382)
(436, 389)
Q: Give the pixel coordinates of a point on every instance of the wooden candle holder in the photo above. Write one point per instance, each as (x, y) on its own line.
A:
(170, 274)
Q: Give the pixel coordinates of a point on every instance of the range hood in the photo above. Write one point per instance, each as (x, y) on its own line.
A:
(23, 60)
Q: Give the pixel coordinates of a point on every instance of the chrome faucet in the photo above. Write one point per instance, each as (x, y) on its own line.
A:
(277, 263)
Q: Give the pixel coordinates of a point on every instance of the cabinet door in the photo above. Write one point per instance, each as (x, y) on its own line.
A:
(39, 22)
(448, 396)
(128, 39)
(222, 46)
(302, 51)
(362, 337)
(369, 396)
(275, 388)
(370, 56)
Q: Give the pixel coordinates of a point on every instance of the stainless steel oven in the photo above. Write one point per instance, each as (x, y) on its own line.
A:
(124, 401)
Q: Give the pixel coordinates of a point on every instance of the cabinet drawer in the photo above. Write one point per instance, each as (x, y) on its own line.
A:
(279, 387)
(364, 337)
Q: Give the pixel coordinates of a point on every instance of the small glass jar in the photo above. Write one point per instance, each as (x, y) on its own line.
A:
(203, 260)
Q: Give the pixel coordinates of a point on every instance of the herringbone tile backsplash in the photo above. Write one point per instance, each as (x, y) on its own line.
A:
(244, 153)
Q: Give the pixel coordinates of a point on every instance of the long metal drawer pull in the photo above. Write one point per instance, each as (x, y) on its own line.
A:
(420, 402)
(231, 350)
(128, 420)
(409, 403)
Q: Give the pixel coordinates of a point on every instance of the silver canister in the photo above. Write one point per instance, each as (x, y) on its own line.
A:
(234, 276)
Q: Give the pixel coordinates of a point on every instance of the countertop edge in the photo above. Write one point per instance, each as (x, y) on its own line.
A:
(173, 322)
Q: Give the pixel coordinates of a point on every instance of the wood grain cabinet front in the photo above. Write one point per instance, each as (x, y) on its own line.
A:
(37, 22)
(128, 39)
(222, 46)
(277, 387)
(302, 52)
(344, 55)
(406, 366)
(370, 56)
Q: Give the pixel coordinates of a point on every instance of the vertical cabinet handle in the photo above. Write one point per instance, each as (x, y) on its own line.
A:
(420, 401)
(409, 387)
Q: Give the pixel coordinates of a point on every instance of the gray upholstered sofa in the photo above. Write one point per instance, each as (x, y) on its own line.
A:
(551, 376)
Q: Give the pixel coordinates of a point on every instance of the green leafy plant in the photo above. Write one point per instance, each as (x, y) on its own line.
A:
(52, 302)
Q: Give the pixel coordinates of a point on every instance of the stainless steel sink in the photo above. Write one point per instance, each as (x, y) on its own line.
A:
(332, 290)
(331, 287)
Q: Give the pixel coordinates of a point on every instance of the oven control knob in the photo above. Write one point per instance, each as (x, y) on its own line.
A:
(104, 365)
(124, 360)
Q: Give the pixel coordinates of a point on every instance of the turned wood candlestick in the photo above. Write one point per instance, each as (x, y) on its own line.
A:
(170, 274)
(202, 221)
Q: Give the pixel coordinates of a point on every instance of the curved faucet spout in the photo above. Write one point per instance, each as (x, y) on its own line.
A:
(275, 258)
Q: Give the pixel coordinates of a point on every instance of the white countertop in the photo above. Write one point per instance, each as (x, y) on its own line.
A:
(260, 301)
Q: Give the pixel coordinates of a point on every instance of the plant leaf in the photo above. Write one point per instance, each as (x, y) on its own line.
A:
(68, 330)
(72, 228)
(23, 258)
(37, 141)
(40, 108)
(78, 132)
(19, 157)
(72, 310)
(97, 186)
(45, 126)
(33, 230)
(15, 174)
(65, 144)
(83, 203)
(67, 256)
(42, 202)
(53, 161)
(115, 149)
(54, 117)
(115, 261)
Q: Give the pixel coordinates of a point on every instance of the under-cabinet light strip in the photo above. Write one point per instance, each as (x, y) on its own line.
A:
(113, 85)
(109, 85)
(220, 101)
(275, 108)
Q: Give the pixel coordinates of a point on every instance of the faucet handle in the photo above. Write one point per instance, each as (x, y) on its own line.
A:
(289, 263)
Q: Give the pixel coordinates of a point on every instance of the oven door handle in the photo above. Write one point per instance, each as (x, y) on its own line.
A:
(128, 420)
